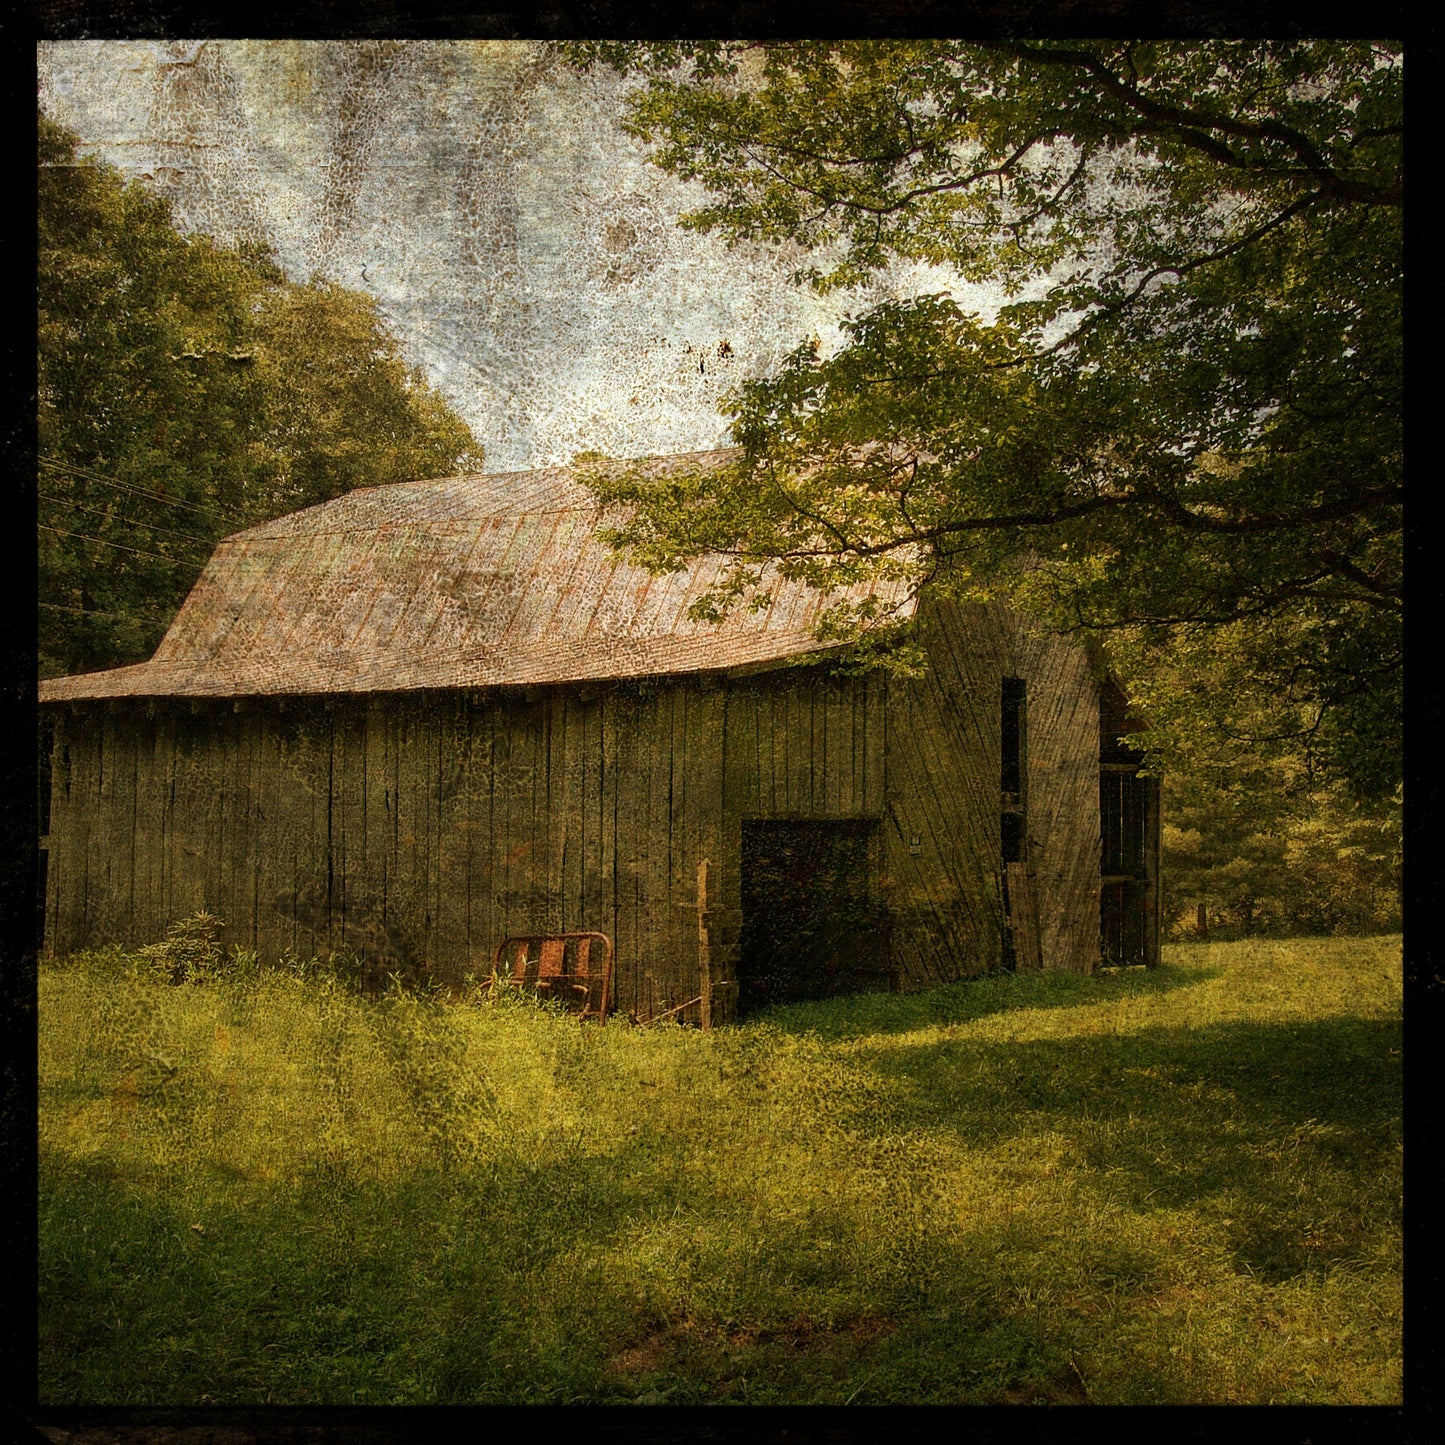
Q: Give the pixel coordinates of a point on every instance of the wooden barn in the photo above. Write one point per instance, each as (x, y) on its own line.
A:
(421, 719)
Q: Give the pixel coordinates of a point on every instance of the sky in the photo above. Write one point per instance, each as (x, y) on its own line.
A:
(515, 237)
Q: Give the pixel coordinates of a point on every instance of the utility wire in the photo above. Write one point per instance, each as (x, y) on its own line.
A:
(149, 526)
(86, 537)
(99, 612)
(225, 515)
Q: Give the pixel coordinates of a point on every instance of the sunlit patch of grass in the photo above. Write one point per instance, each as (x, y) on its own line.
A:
(1179, 1185)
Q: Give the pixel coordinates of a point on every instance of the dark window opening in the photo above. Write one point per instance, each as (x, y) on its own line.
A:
(1009, 958)
(1012, 739)
(1012, 810)
(812, 924)
(1013, 837)
(1013, 822)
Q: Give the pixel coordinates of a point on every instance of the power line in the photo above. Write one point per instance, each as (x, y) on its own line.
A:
(208, 512)
(86, 537)
(149, 526)
(221, 515)
(99, 612)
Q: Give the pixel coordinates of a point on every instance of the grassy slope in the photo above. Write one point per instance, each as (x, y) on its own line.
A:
(1178, 1186)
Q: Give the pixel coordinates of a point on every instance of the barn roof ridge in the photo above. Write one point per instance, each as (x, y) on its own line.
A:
(430, 586)
(559, 479)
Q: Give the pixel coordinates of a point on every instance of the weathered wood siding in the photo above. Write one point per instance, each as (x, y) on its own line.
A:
(422, 828)
(1063, 799)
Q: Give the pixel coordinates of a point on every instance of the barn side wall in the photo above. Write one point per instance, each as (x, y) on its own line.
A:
(1063, 798)
(944, 790)
(423, 829)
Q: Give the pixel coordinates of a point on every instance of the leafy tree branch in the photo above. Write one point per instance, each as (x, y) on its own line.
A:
(1183, 414)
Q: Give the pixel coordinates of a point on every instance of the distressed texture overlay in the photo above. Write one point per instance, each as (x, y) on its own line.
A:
(514, 235)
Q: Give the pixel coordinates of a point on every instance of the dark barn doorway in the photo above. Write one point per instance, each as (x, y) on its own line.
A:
(1129, 814)
(1129, 855)
(812, 926)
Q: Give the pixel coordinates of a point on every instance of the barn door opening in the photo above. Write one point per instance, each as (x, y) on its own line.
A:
(812, 926)
(1129, 855)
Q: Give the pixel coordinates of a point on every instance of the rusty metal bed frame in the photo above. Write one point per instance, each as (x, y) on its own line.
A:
(561, 966)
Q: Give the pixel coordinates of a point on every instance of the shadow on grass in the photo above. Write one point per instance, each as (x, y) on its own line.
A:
(858, 1015)
(340, 1290)
(574, 1281)
(1291, 1128)
(377, 1295)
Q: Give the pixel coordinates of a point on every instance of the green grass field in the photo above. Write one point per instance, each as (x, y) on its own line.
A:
(1164, 1187)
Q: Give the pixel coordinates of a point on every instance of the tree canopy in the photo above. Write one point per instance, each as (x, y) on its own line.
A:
(1180, 432)
(188, 390)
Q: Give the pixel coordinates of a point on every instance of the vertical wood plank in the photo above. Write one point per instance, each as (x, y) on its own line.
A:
(421, 770)
(187, 813)
(367, 893)
(405, 920)
(455, 761)
(655, 739)
(220, 837)
(92, 803)
(106, 906)
(1063, 798)
(504, 832)
(487, 926)
(566, 813)
(146, 880)
(710, 836)
(238, 844)
(170, 725)
(811, 734)
(315, 764)
(609, 879)
(471, 807)
(634, 793)
(101, 907)
(594, 914)
(79, 768)
(276, 860)
(427, 775)
(549, 802)
(839, 775)
(61, 836)
(681, 952)
(773, 739)
(254, 731)
(794, 748)
(343, 805)
(871, 744)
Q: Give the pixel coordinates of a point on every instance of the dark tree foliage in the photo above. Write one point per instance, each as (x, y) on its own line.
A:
(1258, 858)
(1180, 434)
(188, 390)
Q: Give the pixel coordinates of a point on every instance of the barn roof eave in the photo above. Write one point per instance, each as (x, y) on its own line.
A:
(155, 681)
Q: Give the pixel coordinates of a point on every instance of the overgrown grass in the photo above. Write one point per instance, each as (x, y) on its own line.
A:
(1174, 1186)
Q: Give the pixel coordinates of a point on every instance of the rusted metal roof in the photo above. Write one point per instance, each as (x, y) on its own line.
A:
(477, 581)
